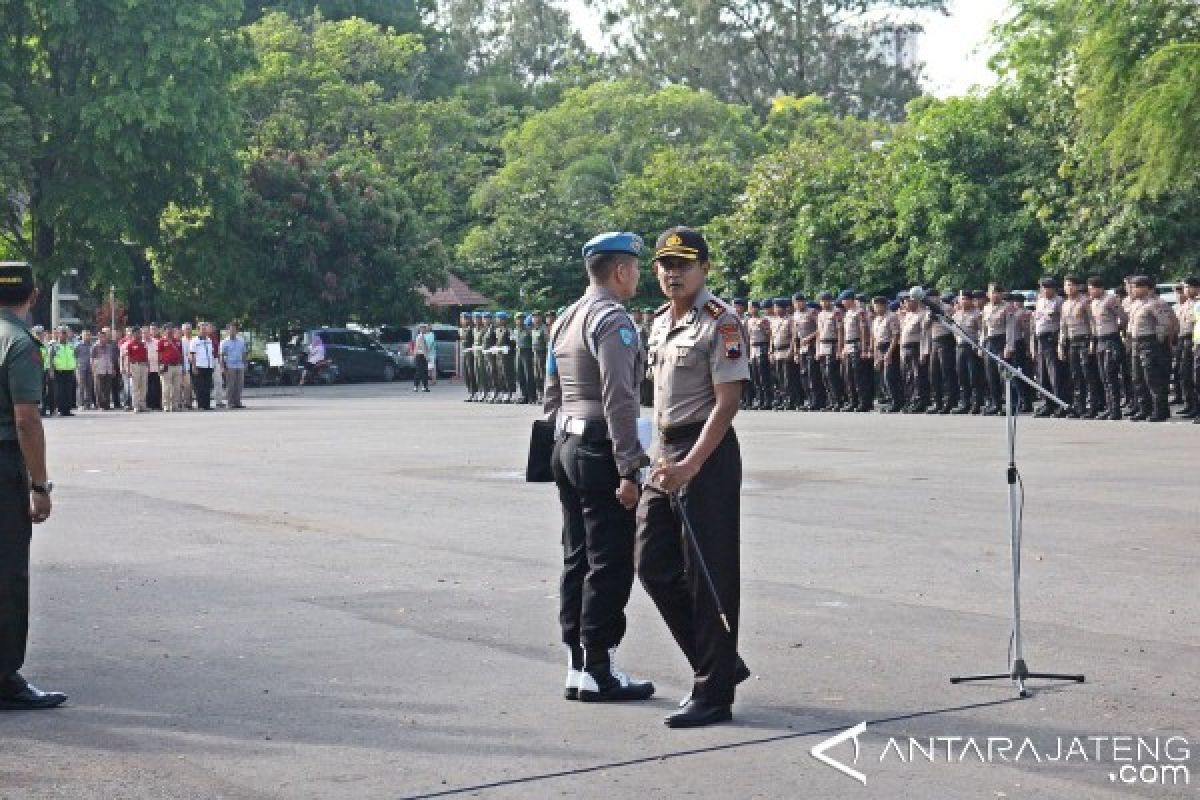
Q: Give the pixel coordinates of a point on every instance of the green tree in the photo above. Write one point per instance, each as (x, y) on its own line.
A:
(565, 166)
(750, 51)
(405, 16)
(128, 110)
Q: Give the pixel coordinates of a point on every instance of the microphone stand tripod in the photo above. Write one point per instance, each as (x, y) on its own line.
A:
(1018, 671)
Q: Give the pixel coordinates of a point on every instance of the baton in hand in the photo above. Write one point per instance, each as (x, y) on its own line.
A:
(677, 501)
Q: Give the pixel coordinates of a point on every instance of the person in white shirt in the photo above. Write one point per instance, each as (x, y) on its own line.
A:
(203, 359)
(185, 386)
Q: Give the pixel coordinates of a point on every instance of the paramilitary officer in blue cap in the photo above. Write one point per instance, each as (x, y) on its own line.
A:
(485, 342)
(466, 344)
(593, 372)
(25, 491)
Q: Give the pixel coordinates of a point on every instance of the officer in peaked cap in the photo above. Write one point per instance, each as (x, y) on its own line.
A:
(592, 374)
(698, 353)
(25, 492)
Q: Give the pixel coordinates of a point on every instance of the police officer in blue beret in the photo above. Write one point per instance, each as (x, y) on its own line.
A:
(593, 371)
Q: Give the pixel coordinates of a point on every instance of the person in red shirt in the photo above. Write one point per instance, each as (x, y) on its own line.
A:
(170, 369)
(137, 367)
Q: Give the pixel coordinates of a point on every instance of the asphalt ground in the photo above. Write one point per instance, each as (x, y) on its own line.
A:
(351, 593)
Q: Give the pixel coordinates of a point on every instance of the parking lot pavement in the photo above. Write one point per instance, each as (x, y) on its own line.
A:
(350, 593)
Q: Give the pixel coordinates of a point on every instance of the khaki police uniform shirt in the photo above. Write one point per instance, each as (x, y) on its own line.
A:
(804, 325)
(1150, 317)
(21, 371)
(1107, 315)
(885, 330)
(691, 356)
(1047, 315)
(1076, 318)
(1020, 324)
(781, 338)
(829, 323)
(913, 328)
(856, 327)
(970, 321)
(1185, 311)
(759, 329)
(603, 386)
(995, 319)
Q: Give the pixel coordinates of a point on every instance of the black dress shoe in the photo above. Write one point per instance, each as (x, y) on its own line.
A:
(31, 698)
(697, 714)
(740, 674)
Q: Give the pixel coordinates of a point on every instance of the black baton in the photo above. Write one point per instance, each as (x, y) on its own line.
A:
(677, 500)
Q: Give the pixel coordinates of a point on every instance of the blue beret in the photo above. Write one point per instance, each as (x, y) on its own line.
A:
(861, 297)
(488, 315)
(501, 315)
(902, 295)
(814, 306)
(529, 320)
(846, 295)
(825, 296)
(894, 306)
(799, 296)
(476, 315)
(755, 304)
(739, 301)
(629, 243)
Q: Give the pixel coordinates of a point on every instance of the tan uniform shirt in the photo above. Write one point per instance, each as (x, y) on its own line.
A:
(781, 338)
(828, 324)
(885, 329)
(1107, 315)
(1150, 317)
(856, 327)
(691, 356)
(1047, 315)
(599, 379)
(1076, 318)
(1019, 327)
(996, 320)
(970, 321)
(759, 329)
(914, 328)
(1186, 313)
(804, 324)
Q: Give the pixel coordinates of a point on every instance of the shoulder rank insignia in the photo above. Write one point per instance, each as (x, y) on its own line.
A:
(714, 308)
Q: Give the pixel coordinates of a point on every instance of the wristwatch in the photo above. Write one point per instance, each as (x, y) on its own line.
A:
(42, 488)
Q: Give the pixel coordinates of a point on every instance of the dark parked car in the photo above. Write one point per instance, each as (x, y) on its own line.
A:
(355, 355)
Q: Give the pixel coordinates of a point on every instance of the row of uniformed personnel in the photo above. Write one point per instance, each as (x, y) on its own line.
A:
(1094, 349)
(502, 364)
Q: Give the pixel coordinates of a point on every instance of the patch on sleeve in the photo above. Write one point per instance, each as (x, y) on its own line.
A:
(627, 337)
(731, 340)
(714, 308)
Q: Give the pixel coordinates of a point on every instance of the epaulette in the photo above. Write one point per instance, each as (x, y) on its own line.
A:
(661, 309)
(715, 308)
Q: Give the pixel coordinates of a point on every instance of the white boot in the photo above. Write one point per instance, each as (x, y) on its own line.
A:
(574, 678)
(604, 683)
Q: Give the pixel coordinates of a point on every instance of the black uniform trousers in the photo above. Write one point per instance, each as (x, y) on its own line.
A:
(1151, 376)
(995, 381)
(859, 389)
(943, 370)
(1085, 381)
(781, 376)
(202, 385)
(810, 377)
(831, 374)
(889, 376)
(64, 391)
(969, 369)
(1110, 360)
(667, 568)
(1187, 378)
(16, 530)
(597, 540)
(916, 379)
(760, 372)
(539, 372)
(420, 371)
(1020, 359)
(1049, 368)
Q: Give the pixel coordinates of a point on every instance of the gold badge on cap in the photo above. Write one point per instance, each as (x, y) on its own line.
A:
(673, 240)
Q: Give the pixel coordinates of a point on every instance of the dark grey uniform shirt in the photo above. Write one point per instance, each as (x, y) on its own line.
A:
(594, 372)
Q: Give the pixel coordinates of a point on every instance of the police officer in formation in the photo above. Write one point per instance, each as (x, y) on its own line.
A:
(594, 367)
(25, 492)
(1080, 341)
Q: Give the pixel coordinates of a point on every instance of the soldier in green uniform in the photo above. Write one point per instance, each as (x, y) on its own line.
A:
(505, 359)
(540, 340)
(646, 388)
(25, 491)
(524, 340)
(485, 341)
(466, 344)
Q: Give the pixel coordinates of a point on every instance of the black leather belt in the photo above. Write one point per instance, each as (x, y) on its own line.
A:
(1074, 340)
(1042, 337)
(1146, 339)
(678, 433)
